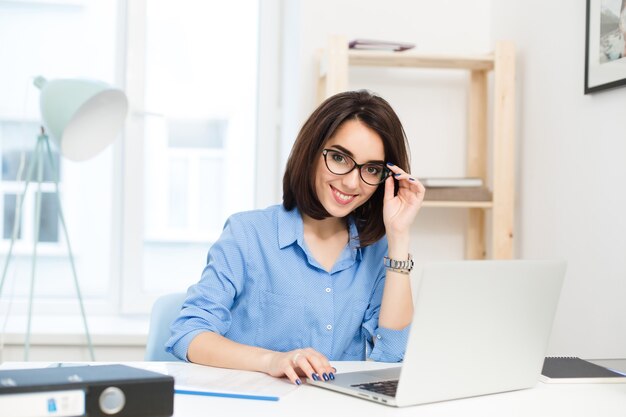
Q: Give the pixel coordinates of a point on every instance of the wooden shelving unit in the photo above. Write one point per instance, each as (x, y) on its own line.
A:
(335, 62)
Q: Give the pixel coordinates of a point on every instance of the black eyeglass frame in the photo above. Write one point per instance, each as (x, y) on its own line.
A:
(386, 171)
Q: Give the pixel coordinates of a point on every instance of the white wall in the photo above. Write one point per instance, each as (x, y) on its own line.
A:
(431, 105)
(438, 27)
(571, 147)
(571, 202)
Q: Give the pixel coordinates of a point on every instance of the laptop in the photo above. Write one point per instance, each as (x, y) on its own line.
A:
(479, 327)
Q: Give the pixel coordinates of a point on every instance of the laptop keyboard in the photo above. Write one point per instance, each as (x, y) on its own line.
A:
(381, 387)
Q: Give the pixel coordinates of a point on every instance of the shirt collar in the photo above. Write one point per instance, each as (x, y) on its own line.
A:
(290, 226)
(291, 229)
(354, 238)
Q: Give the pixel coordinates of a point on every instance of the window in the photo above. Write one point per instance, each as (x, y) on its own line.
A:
(197, 129)
(184, 166)
(15, 160)
(49, 46)
(141, 215)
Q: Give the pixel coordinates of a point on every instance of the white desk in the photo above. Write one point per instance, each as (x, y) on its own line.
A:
(554, 400)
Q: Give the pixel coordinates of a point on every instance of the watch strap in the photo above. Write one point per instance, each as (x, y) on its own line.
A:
(406, 265)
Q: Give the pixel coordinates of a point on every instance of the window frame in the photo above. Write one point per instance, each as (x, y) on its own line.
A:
(129, 154)
(13, 308)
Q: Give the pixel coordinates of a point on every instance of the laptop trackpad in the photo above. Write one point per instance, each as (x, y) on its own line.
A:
(382, 374)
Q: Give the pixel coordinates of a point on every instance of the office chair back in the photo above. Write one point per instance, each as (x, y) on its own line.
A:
(164, 311)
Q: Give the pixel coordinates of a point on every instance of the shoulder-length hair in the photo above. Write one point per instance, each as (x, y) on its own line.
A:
(299, 178)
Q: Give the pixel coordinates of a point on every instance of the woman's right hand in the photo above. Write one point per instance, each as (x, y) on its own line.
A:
(300, 362)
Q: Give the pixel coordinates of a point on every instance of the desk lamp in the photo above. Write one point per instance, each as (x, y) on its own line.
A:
(82, 117)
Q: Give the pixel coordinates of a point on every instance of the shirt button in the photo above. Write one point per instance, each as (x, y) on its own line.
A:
(329, 327)
(328, 290)
(378, 337)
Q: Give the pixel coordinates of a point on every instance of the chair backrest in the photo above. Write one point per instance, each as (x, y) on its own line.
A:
(164, 311)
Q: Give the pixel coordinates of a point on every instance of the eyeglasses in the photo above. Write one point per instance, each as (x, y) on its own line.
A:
(372, 173)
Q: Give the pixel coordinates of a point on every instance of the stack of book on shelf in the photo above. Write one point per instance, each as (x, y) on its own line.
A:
(375, 45)
(455, 189)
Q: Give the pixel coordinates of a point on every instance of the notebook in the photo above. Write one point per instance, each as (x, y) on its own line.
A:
(479, 327)
(569, 370)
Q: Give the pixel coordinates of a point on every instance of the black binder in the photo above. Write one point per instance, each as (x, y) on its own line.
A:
(102, 390)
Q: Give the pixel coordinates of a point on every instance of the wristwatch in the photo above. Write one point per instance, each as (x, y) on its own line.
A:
(394, 264)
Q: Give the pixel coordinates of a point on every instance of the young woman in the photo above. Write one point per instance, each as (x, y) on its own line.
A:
(325, 275)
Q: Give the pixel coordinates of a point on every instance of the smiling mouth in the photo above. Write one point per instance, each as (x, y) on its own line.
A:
(342, 198)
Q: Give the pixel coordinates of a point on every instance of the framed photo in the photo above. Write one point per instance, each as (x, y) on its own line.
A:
(605, 45)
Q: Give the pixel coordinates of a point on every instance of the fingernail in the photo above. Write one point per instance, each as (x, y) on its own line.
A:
(325, 376)
(331, 376)
(298, 382)
(412, 179)
(315, 377)
(396, 175)
(390, 164)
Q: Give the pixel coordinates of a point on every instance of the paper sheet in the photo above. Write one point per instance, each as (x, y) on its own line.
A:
(192, 377)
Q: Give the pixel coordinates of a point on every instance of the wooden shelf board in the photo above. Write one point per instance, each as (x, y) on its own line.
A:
(458, 204)
(415, 60)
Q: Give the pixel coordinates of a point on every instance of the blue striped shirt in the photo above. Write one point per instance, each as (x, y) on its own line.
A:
(262, 287)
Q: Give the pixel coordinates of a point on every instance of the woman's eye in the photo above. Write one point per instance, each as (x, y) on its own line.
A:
(339, 158)
(373, 169)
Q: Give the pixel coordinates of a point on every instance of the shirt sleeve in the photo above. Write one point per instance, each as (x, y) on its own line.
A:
(208, 303)
(384, 345)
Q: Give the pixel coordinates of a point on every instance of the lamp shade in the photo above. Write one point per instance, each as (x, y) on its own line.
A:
(81, 116)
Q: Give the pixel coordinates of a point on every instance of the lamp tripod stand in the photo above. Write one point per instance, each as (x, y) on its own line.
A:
(36, 167)
(82, 117)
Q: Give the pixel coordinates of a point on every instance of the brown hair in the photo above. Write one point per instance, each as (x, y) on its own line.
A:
(299, 179)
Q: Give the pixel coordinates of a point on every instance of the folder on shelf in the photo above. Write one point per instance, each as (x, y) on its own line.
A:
(377, 45)
(457, 194)
(451, 182)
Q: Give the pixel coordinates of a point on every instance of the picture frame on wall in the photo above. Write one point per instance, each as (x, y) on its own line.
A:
(605, 45)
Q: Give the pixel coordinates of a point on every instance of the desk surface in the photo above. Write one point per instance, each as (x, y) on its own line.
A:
(554, 400)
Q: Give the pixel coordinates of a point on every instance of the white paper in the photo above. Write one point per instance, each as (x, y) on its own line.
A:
(207, 379)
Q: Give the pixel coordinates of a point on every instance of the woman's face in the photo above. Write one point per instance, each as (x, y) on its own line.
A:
(341, 194)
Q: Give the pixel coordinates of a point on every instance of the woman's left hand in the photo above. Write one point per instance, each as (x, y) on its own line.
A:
(399, 211)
